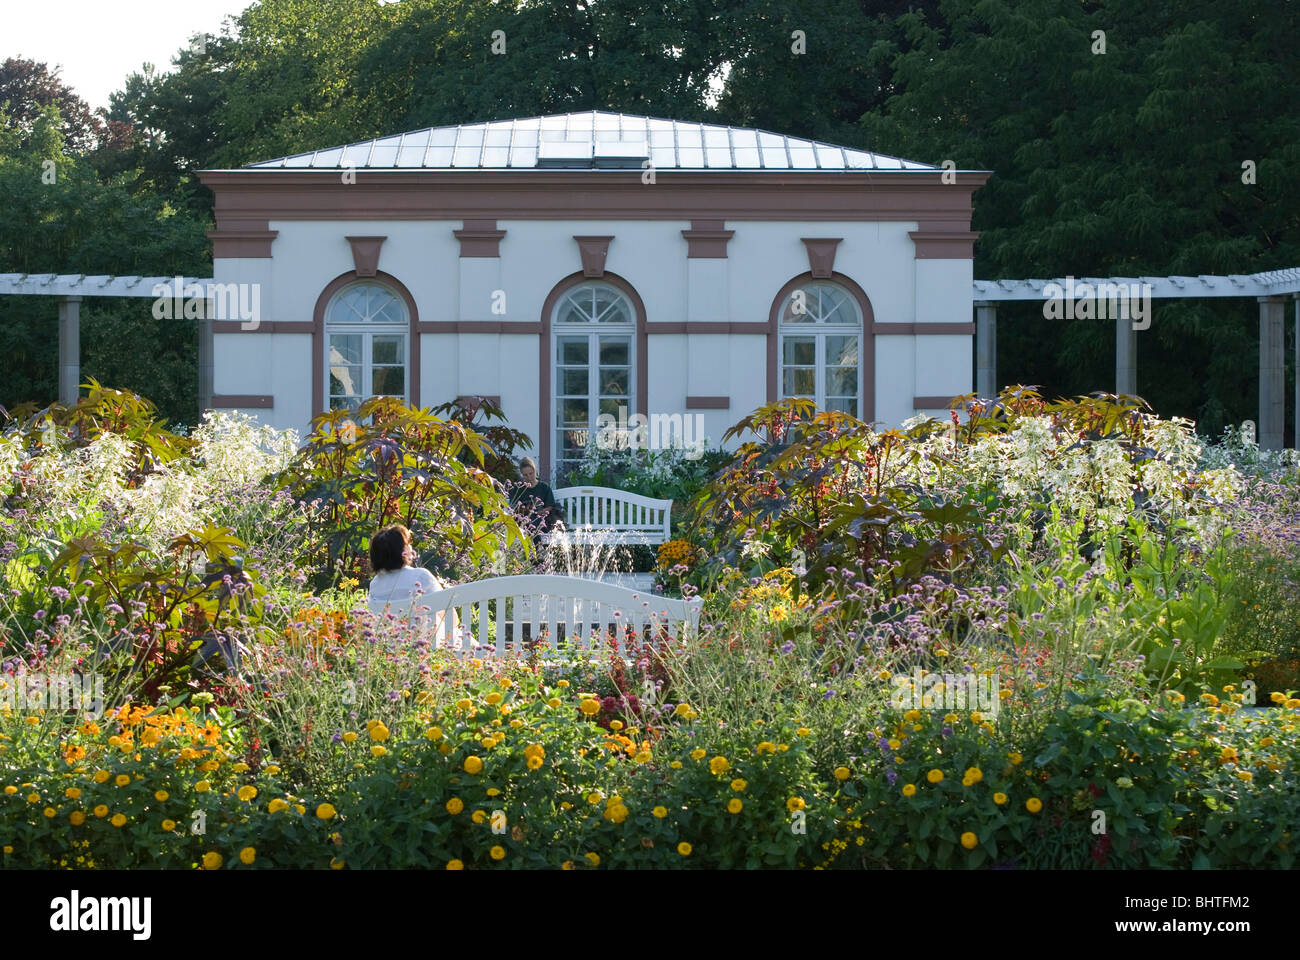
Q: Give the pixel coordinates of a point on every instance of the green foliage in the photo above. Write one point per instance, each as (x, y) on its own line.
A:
(391, 463)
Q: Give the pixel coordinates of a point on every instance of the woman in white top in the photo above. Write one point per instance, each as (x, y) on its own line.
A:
(398, 585)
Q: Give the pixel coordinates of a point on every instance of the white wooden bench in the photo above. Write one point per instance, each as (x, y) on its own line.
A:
(606, 515)
(512, 614)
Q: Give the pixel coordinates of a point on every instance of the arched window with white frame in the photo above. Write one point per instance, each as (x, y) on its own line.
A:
(367, 328)
(593, 344)
(820, 348)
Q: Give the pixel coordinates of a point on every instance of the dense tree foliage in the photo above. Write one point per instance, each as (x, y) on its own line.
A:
(1116, 131)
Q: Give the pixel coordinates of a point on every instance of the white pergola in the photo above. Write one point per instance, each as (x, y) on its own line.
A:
(1271, 289)
(70, 289)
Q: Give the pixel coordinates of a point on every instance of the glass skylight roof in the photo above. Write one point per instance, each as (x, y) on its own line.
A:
(609, 139)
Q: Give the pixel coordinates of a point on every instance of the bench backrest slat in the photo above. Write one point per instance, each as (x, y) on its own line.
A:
(624, 516)
(515, 607)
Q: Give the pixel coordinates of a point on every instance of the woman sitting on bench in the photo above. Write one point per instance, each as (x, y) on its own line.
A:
(397, 583)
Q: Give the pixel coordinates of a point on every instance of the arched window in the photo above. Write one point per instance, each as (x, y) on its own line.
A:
(820, 328)
(366, 326)
(593, 340)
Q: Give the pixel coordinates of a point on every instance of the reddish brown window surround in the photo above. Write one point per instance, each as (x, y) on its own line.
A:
(544, 359)
(319, 400)
(866, 342)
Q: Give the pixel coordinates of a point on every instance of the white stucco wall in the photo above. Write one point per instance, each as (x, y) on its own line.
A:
(650, 255)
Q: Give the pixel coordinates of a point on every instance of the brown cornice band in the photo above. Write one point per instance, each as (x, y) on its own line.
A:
(707, 240)
(708, 403)
(266, 326)
(480, 239)
(931, 403)
(705, 326)
(229, 401)
(479, 326)
(250, 197)
(943, 245)
(922, 329)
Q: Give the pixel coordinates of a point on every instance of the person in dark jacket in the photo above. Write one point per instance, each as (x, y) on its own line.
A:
(536, 500)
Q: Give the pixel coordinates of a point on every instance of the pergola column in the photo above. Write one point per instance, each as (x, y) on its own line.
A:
(69, 349)
(1125, 357)
(986, 348)
(1272, 372)
(205, 358)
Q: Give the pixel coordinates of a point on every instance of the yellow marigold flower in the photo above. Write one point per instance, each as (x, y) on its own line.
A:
(684, 848)
(795, 803)
(497, 853)
(590, 707)
(969, 840)
(433, 733)
(240, 767)
(202, 786)
(478, 816)
(101, 776)
(894, 744)
(842, 773)
(76, 818)
(554, 703)
(1277, 697)
(161, 795)
(493, 698)
(1033, 804)
(974, 774)
(999, 798)
(336, 864)
(455, 805)
(738, 785)
(1293, 703)
(593, 859)
(935, 775)
(1015, 759)
(616, 813)
(118, 820)
(8, 848)
(212, 860)
(473, 765)
(698, 753)
(169, 825)
(567, 865)
(767, 746)
(72, 793)
(33, 797)
(378, 732)
(781, 748)
(594, 797)
(50, 812)
(378, 751)
(122, 780)
(455, 865)
(562, 683)
(566, 805)
(247, 855)
(660, 812)
(719, 765)
(276, 805)
(1004, 694)
(11, 790)
(803, 731)
(493, 792)
(1245, 775)
(534, 763)
(976, 716)
(246, 793)
(326, 811)
(349, 737)
(734, 805)
(101, 810)
(909, 789)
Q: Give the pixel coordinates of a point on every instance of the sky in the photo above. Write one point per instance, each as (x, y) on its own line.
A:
(99, 42)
